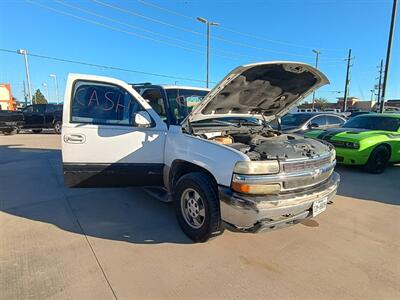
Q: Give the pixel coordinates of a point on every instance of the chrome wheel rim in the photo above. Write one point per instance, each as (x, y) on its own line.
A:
(192, 207)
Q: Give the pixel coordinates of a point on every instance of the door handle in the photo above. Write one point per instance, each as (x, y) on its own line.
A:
(74, 138)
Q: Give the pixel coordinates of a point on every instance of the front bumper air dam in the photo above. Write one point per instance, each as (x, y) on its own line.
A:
(258, 213)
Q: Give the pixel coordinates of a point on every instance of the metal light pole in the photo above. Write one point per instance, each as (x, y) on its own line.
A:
(346, 85)
(317, 53)
(44, 84)
(380, 83)
(28, 77)
(55, 86)
(389, 48)
(209, 24)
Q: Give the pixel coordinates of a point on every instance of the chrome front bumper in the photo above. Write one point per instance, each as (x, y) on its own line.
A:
(256, 213)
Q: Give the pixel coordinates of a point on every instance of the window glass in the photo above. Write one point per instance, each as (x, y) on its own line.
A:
(50, 108)
(295, 119)
(320, 120)
(182, 102)
(332, 120)
(39, 108)
(373, 123)
(28, 109)
(101, 103)
(156, 101)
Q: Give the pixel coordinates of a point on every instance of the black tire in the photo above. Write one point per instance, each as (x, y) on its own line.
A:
(37, 130)
(10, 132)
(57, 127)
(378, 160)
(210, 217)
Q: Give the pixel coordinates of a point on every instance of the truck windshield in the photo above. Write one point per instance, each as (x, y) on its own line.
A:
(182, 101)
(373, 123)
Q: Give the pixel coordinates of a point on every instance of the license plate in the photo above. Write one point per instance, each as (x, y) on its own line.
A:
(319, 206)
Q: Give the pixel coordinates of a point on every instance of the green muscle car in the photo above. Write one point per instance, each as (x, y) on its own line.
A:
(371, 140)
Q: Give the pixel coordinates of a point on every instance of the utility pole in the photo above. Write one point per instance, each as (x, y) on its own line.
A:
(209, 24)
(380, 83)
(44, 84)
(346, 86)
(28, 78)
(317, 53)
(25, 95)
(389, 48)
(55, 86)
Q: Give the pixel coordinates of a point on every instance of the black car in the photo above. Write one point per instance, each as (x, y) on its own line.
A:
(302, 122)
(10, 121)
(35, 117)
(41, 116)
(358, 113)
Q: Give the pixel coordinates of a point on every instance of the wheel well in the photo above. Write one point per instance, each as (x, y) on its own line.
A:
(180, 168)
(387, 146)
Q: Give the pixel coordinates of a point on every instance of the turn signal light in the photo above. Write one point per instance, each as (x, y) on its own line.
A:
(256, 189)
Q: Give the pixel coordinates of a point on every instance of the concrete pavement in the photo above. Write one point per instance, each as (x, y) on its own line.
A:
(65, 243)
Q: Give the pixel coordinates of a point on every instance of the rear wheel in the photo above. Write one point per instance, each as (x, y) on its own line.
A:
(37, 130)
(57, 127)
(378, 160)
(10, 132)
(197, 206)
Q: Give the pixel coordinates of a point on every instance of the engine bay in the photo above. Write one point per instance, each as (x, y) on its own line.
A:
(265, 143)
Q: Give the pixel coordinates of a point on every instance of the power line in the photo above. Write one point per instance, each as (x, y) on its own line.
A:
(153, 32)
(123, 23)
(111, 27)
(133, 33)
(127, 11)
(235, 31)
(104, 66)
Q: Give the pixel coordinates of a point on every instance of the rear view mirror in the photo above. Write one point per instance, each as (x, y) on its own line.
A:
(142, 119)
(314, 125)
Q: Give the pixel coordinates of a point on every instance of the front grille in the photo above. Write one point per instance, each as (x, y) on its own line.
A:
(306, 173)
(305, 165)
(306, 181)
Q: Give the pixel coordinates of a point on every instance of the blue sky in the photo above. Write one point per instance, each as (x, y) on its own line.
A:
(166, 39)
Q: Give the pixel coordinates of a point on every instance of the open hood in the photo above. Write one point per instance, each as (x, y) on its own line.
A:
(264, 88)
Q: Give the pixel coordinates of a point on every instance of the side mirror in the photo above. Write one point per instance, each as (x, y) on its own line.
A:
(142, 119)
(313, 125)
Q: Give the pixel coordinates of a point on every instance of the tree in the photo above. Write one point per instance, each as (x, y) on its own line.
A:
(321, 102)
(39, 98)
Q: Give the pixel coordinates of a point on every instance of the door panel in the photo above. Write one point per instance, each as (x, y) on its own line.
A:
(34, 116)
(101, 146)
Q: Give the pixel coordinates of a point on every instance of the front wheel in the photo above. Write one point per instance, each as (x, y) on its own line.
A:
(378, 160)
(197, 206)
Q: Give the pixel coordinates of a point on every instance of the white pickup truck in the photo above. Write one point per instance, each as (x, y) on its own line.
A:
(219, 161)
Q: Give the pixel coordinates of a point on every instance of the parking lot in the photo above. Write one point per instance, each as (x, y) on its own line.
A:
(65, 243)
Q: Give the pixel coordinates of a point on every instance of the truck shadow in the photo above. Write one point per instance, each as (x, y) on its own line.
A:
(32, 187)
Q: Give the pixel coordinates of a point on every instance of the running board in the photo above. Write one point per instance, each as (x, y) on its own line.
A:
(159, 193)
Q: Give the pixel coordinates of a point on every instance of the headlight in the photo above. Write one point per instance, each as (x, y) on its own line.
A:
(257, 167)
(352, 145)
(333, 154)
(256, 189)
